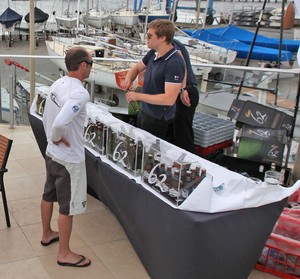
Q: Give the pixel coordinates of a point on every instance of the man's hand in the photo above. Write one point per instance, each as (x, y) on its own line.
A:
(184, 97)
(127, 84)
(132, 96)
(62, 140)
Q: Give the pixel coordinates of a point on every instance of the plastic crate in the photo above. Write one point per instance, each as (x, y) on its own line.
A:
(210, 130)
(280, 262)
(204, 151)
(281, 254)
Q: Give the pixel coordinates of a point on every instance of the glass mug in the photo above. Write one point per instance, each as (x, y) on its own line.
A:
(272, 178)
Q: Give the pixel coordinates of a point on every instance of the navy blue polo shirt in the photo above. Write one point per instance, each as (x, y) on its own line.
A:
(168, 68)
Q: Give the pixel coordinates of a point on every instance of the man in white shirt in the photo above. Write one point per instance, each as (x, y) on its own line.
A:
(63, 121)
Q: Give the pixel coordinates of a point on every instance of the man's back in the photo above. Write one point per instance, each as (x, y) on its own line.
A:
(64, 116)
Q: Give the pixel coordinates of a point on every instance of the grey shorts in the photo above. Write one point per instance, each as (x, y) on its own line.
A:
(66, 184)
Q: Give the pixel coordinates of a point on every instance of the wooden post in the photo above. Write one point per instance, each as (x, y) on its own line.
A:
(31, 50)
(197, 14)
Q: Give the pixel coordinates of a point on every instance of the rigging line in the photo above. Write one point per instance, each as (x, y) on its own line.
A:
(280, 47)
(296, 108)
(251, 47)
(273, 91)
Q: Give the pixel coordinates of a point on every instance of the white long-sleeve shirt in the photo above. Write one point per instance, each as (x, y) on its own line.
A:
(64, 116)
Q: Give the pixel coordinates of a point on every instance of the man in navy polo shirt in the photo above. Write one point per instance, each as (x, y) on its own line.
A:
(163, 80)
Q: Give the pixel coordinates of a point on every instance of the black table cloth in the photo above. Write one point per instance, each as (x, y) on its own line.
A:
(177, 244)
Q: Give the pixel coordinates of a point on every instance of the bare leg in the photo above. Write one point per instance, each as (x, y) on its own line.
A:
(46, 214)
(65, 254)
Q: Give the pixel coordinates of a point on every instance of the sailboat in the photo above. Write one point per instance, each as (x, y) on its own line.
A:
(96, 16)
(67, 19)
(5, 106)
(232, 32)
(153, 11)
(40, 19)
(104, 73)
(132, 17)
(208, 51)
(125, 17)
(259, 53)
(9, 19)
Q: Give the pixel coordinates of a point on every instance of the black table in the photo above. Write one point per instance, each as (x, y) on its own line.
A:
(176, 244)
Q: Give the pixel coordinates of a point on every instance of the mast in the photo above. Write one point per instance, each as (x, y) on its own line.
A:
(86, 16)
(140, 5)
(135, 5)
(231, 15)
(78, 14)
(97, 7)
(146, 19)
(68, 8)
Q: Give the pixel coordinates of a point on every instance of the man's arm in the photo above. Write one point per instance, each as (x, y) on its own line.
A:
(132, 74)
(164, 99)
(174, 76)
(67, 114)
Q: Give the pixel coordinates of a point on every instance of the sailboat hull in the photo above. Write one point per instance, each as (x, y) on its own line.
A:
(142, 18)
(104, 73)
(207, 51)
(5, 106)
(66, 22)
(125, 18)
(96, 20)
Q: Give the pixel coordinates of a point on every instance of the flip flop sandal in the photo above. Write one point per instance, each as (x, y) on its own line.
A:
(50, 242)
(77, 264)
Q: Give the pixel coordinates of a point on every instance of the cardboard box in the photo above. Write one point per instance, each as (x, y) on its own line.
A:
(262, 145)
(259, 115)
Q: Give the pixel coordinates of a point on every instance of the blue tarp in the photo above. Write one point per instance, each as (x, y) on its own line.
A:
(242, 49)
(245, 36)
(9, 17)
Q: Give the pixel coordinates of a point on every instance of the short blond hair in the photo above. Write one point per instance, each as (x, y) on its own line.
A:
(163, 27)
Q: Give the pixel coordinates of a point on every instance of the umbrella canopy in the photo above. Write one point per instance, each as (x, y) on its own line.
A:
(9, 18)
(39, 16)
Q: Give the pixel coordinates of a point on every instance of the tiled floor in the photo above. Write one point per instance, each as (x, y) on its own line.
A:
(96, 234)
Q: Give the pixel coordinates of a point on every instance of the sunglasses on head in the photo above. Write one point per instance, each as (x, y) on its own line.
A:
(89, 62)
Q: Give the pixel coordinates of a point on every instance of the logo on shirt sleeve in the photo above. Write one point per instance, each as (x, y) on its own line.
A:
(54, 99)
(176, 78)
(75, 108)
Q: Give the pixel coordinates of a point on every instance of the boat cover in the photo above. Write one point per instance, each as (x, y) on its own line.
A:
(242, 49)
(9, 17)
(39, 16)
(245, 36)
